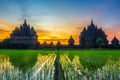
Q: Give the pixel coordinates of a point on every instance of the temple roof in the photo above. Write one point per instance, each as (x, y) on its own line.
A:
(91, 21)
(71, 39)
(115, 40)
(24, 30)
(25, 23)
(51, 43)
(58, 43)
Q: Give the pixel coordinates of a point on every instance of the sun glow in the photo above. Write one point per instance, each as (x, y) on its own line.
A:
(61, 32)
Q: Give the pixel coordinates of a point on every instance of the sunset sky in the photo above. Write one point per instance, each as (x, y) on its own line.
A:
(59, 19)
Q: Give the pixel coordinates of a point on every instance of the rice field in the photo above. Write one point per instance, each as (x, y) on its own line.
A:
(74, 64)
(42, 70)
(73, 70)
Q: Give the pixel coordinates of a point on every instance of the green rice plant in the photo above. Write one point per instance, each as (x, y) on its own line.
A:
(110, 71)
(42, 70)
(73, 70)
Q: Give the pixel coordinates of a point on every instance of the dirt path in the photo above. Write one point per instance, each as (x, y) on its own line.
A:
(59, 74)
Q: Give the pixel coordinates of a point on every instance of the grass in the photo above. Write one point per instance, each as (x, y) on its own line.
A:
(76, 64)
(91, 59)
(23, 59)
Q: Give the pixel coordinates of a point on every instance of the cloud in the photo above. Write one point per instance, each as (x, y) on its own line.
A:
(113, 31)
(75, 31)
(4, 34)
(1, 31)
(43, 33)
(80, 28)
(4, 25)
(23, 9)
(62, 33)
(5, 29)
(54, 36)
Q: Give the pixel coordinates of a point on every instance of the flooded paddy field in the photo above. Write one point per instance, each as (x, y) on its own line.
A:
(59, 64)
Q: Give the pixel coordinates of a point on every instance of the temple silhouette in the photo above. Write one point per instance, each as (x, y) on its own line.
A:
(24, 35)
(90, 34)
(90, 37)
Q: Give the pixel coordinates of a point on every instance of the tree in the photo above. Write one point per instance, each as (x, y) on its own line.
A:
(5, 43)
(99, 42)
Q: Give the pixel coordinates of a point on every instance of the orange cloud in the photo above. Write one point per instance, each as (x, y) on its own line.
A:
(61, 32)
(4, 25)
(43, 33)
(5, 29)
(113, 31)
(4, 34)
(49, 36)
(77, 28)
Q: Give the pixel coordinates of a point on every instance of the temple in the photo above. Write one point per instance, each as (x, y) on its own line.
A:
(90, 34)
(24, 35)
(115, 42)
(71, 42)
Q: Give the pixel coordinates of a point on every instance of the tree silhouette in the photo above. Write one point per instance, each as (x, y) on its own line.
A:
(99, 42)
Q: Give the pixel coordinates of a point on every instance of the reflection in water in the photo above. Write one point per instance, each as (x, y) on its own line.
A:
(42, 70)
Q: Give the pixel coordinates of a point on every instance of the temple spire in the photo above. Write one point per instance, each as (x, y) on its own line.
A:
(25, 21)
(91, 21)
(71, 41)
(71, 36)
(84, 29)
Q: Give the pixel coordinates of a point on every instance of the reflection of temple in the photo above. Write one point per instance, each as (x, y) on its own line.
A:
(90, 34)
(24, 35)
